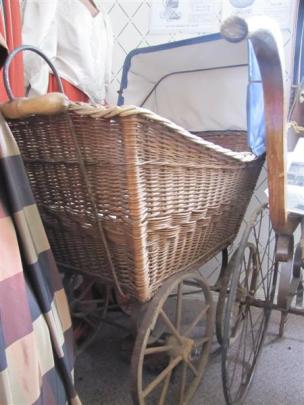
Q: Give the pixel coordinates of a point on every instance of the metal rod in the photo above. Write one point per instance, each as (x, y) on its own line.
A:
(12, 56)
(261, 304)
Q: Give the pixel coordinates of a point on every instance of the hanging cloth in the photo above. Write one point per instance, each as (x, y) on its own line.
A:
(10, 30)
(77, 39)
(36, 337)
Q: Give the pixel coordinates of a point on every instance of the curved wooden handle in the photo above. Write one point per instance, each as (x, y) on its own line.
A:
(49, 104)
(262, 35)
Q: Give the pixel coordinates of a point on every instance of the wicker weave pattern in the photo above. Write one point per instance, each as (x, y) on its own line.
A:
(165, 198)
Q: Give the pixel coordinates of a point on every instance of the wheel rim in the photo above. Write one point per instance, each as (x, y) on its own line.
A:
(224, 284)
(252, 288)
(173, 343)
(221, 304)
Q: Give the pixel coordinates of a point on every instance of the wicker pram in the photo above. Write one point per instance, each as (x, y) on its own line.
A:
(131, 198)
(162, 198)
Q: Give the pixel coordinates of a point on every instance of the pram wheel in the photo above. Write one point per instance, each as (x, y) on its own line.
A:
(173, 342)
(88, 301)
(251, 292)
(224, 286)
(290, 286)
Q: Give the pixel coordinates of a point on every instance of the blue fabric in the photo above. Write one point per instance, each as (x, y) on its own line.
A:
(255, 107)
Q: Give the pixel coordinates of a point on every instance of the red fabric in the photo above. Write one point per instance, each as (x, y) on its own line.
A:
(71, 91)
(10, 28)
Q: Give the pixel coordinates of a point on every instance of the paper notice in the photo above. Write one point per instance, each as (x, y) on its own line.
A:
(280, 10)
(295, 179)
(185, 16)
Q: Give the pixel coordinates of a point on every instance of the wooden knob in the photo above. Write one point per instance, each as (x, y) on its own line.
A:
(49, 104)
(234, 29)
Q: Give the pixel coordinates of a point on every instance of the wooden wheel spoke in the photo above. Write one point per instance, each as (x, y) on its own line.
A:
(86, 317)
(164, 392)
(200, 342)
(196, 320)
(86, 290)
(84, 313)
(161, 376)
(170, 325)
(183, 384)
(89, 322)
(88, 302)
(179, 303)
(78, 314)
(157, 349)
(192, 368)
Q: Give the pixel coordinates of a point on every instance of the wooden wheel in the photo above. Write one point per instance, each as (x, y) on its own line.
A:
(88, 302)
(173, 342)
(252, 287)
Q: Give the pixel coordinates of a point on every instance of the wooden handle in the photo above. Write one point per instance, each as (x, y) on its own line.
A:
(49, 104)
(262, 33)
(269, 62)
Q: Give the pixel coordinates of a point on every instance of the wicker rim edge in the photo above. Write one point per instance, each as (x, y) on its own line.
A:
(109, 112)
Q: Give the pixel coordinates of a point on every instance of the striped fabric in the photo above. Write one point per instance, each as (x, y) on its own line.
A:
(36, 339)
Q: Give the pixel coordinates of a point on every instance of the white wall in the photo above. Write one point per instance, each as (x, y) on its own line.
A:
(130, 22)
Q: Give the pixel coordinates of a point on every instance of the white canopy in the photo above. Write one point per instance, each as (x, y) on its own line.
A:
(199, 83)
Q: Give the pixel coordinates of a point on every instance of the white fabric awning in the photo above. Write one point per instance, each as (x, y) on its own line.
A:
(199, 83)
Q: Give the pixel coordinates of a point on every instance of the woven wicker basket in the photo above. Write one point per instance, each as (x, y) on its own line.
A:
(162, 198)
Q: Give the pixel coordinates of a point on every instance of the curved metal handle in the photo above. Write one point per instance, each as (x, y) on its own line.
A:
(268, 54)
(11, 57)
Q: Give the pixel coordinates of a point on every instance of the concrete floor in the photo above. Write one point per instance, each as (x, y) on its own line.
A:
(102, 376)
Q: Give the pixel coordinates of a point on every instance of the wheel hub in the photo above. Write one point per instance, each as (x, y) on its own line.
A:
(241, 294)
(182, 347)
